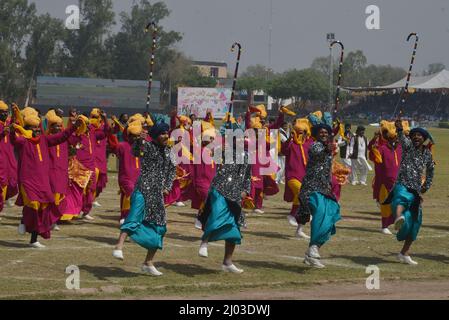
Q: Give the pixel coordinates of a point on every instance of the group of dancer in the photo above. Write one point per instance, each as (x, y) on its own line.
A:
(58, 170)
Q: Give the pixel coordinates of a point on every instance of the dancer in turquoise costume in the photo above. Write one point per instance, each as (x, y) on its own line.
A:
(146, 222)
(222, 216)
(316, 197)
(406, 196)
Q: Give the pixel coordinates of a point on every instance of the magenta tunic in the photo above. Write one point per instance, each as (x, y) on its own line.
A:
(10, 163)
(34, 165)
(129, 166)
(101, 161)
(59, 164)
(203, 174)
(295, 163)
(389, 168)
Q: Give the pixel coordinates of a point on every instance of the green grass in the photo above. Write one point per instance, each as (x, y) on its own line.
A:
(270, 255)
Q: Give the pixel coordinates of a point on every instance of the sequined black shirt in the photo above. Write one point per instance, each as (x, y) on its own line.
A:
(413, 162)
(318, 175)
(158, 171)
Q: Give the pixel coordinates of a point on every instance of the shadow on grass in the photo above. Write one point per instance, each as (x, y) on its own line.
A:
(110, 241)
(443, 228)
(268, 234)
(364, 261)
(11, 244)
(103, 273)
(182, 237)
(185, 214)
(299, 268)
(433, 257)
(361, 229)
(186, 269)
(371, 213)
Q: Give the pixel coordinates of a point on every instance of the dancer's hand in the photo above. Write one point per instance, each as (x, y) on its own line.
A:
(244, 195)
(166, 192)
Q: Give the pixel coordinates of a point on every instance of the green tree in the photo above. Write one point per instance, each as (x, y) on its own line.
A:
(258, 71)
(193, 78)
(434, 68)
(84, 52)
(14, 30)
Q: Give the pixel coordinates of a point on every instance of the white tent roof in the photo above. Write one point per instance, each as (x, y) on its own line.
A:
(438, 80)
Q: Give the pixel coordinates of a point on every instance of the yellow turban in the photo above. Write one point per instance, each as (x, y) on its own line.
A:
(319, 114)
(32, 120)
(406, 126)
(95, 113)
(260, 109)
(388, 127)
(136, 117)
(184, 120)
(207, 131)
(135, 128)
(255, 123)
(302, 124)
(231, 118)
(53, 118)
(29, 112)
(3, 106)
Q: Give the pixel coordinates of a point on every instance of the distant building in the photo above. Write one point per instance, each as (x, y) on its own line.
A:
(218, 70)
(114, 96)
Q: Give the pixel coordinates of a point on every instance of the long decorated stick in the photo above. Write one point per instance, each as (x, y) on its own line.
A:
(405, 93)
(236, 71)
(340, 70)
(153, 49)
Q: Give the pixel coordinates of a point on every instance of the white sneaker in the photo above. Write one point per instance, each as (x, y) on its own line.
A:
(313, 262)
(292, 220)
(180, 204)
(386, 231)
(10, 203)
(151, 270)
(198, 224)
(363, 184)
(232, 268)
(354, 183)
(300, 233)
(406, 259)
(313, 252)
(21, 229)
(118, 254)
(88, 217)
(399, 222)
(203, 250)
(258, 211)
(55, 227)
(37, 245)
(122, 221)
(96, 204)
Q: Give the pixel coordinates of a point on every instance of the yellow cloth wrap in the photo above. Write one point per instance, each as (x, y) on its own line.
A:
(84, 123)
(319, 114)
(95, 122)
(389, 127)
(27, 134)
(136, 117)
(385, 209)
(287, 111)
(53, 118)
(149, 122)
(248, 203)
(4, 191)
(17, 115)
(126, 201)
(28, 111)
(377, 157)
(3, 106)
(58, 198)
(79, 173)
(295, 187)
(207, 130)
(117, 123)
(406, 127)
(35, 205)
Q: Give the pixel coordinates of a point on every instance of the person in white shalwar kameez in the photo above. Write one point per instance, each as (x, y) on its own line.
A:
(358, 150)
(343, 144)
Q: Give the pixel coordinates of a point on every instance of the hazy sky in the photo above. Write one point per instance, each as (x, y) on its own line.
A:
(299, 30)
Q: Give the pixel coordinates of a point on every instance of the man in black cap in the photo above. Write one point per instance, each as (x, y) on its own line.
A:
(358, 150)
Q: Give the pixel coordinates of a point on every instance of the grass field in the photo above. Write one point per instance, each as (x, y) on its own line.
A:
(270, 255)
